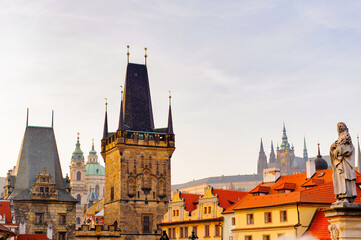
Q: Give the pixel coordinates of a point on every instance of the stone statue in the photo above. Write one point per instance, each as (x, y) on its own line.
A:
(342, 153)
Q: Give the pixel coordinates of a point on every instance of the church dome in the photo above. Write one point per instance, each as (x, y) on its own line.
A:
(94, 169)
(92, 197)
(320, 163)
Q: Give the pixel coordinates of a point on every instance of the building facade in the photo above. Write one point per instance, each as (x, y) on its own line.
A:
(137, 162)
(41, 196)
(84, 178)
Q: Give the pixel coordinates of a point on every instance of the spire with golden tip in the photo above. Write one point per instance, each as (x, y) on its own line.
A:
(145, 56)
(128, 53)
(105, 131)
(170, 120)
(121, 115)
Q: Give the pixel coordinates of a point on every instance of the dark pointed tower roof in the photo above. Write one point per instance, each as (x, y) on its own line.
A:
(170, 120)
(138, 113)
(121, 115)
(38, 152)
(305, 154)
(105, 130)
(262, 160)
(320, 163)
(272, 156)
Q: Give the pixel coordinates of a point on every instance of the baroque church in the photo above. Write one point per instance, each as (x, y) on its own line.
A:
(285, 158)
(41, 196)
(86, 179)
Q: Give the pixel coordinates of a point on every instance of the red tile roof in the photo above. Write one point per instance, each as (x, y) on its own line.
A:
(319, 226)
(322, 193)
(286, 186)
(227, 197)
(5, 210)
(260, 189)
(189, 200)
(32, 237)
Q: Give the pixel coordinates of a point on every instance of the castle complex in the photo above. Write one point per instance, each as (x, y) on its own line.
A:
(137, 162)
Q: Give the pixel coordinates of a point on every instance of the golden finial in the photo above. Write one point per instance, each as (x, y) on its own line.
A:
(78, 133)
(106, 104)
(170, 97)
(357, 136)
(145, 55)
(128, 53)
(93, 142)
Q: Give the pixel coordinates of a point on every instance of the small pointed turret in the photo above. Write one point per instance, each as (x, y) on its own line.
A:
(359, 155)
(320, 163)
(272, 156)
(305, 154)
(105, 131)
(121, 115)
(284, 145)
(78, 153)
(170, 120)
(262, 160)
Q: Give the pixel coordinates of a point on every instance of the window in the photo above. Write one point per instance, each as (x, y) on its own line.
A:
(41, 189)
(205, 210)
(62, 235)
(233, 221)
(267, 217)
(97, 189)
(78, 176)
(171, 233)
(78, 197)
(141, 136)
(151, 137)
(186, 232)
(266, 237)
(177, 212)
(206, 231)
(130, 135)
(78, 220)
(194, 229)
(181, 232)
(250, 218)
(216, 230)
(283, 216)
(39, 218)
(146, 224)
(46, 189)
(209, 210)
(112, 193)
(62, 219)
(249, 237)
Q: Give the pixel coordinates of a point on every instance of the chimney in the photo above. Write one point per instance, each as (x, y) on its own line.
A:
(310, 168)
(271, 175)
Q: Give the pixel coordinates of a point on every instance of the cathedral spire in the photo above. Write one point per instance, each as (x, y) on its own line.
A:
(284, 145)
(262, 160)
(170, 120)
(272, 156)
(305, 154)
(105, 131)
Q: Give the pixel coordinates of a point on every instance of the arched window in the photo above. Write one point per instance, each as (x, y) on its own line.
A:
(97, 190)
(112, 193)
(78, 220)
(115, 225)
(131, 187)
(78, 176)
(78, 197)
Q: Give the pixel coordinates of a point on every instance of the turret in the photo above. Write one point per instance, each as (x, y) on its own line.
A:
(262, 160)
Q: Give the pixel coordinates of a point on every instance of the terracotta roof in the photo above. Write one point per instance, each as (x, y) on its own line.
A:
(286, 186)
(319, 226)
(32, 237)
(313, 182)
(5, 229)
(322, 193)
(227, 197)
(189, 200)
(260, 189)
(5, 210)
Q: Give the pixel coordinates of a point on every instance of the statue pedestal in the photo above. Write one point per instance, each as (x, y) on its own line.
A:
(345, 220)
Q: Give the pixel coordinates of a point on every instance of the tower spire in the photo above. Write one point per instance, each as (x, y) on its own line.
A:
(305, 154)
(170, 120)
(272, 156)
(319, 152)
(128, 53)
(52, 119)
(262, 160)
(105, 131)
(145, 56)
(121, 116)
(27, 117)
(284, 145)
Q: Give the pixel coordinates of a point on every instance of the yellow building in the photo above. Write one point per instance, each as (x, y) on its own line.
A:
(199, 213)
(94, 214)
(282, 205)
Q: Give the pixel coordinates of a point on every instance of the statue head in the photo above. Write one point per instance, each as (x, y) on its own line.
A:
(341, 127)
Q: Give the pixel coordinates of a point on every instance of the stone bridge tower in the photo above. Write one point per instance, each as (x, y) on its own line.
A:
(137, 162)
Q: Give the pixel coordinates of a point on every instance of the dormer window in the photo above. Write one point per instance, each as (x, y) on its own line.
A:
(285, 187)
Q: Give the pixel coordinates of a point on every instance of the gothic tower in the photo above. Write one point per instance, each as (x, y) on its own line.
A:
(137, 162)
(285, 155)
(272, 157)
(305, 154)
(262, 160)
(77, 181)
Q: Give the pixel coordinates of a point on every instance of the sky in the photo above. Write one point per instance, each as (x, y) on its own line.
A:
(236, 71)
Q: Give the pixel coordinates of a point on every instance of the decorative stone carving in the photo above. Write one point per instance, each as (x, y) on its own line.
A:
(342, 153)
(333, 231)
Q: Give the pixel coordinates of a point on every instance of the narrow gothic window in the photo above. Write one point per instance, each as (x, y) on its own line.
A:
(78, 220)
(146, 224)
(62, 219)
(78, 197)
(112, 193)
(39, 218)
(97, 189)
(78, 176)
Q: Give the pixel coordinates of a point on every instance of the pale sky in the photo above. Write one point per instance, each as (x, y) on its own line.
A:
(236, 69)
